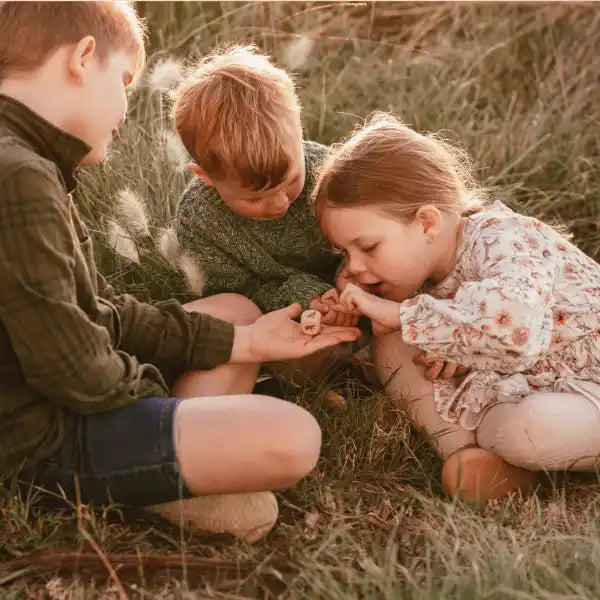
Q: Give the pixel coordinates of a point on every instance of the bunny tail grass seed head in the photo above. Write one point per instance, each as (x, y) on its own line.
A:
(296, 52)
(193, 275)
(121, 242)
(168, 246)
(132, 212)
(165, 75)
(175, 151)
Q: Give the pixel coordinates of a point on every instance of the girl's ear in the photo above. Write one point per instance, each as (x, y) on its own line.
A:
(80, 57)
(199, 172)
(429, 219)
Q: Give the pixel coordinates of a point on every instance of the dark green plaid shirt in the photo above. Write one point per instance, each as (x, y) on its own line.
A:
(66, 342)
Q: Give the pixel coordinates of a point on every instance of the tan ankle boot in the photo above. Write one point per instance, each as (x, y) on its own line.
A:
(248, 516)
(478, 475)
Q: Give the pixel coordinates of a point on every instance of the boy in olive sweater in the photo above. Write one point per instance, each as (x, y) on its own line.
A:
(247, 219)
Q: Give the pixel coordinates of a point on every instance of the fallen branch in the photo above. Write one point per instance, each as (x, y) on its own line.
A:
(68, 561)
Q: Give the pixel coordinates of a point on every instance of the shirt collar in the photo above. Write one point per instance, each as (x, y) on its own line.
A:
(62, 148)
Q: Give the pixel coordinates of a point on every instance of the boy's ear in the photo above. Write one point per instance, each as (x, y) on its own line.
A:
(199, 172)
(81, 56)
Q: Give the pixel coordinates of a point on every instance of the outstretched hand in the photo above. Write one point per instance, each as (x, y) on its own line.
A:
(278, 336)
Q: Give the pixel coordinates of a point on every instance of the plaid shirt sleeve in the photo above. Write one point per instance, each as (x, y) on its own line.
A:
(167, 336)
(63, 354)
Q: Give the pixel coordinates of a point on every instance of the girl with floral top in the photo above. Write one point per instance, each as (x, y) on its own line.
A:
(448, 280)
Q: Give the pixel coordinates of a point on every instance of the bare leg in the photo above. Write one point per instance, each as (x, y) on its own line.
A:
(231, 445)
(225, 379)
(229, 448)
(244, 443)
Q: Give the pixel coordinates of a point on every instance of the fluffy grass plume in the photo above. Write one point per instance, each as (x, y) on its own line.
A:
(164, 75)
(168, 245)
(120, 241)
(131, 210)
(193, 274)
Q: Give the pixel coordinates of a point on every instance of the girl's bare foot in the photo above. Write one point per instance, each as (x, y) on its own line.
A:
(477, 475)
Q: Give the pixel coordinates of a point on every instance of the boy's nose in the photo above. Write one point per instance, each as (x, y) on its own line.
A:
(280, 203)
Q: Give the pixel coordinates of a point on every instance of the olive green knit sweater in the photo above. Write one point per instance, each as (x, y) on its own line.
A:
(274, 263)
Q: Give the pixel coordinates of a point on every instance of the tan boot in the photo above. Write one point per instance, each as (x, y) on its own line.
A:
(478, 475)
(248, 516)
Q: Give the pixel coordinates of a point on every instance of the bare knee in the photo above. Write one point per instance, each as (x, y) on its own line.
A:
(243, 443)
(294, 451)
(234, 308)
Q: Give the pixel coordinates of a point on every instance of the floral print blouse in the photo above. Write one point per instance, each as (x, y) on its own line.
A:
(521, 309)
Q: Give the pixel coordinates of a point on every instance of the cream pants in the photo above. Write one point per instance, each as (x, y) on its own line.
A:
(544, 431)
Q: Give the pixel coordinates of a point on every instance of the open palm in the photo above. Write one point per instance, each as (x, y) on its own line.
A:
(278, 336)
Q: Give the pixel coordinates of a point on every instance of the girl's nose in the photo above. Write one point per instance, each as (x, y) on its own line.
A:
(354, 266)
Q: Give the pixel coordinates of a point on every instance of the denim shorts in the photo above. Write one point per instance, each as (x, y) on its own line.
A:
(124, 456)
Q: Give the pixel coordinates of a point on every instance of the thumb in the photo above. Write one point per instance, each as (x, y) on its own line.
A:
(419, 358)
(293, 311)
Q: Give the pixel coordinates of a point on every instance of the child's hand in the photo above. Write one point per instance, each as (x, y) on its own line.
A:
(384, 314)
(332, 316)
(437, 368)
(277, 336)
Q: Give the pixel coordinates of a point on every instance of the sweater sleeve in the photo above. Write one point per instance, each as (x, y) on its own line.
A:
(503, 320)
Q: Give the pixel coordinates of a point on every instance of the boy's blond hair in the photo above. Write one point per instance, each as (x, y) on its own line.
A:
(31, 31)
(387, 164)
(238, 115)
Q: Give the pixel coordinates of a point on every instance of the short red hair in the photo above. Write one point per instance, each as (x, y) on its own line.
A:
(236, 113)
(31, 31)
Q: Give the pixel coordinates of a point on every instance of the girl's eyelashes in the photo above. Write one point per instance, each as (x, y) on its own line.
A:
(369, 249)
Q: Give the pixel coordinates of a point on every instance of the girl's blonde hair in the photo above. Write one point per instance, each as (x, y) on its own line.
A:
(385, 163)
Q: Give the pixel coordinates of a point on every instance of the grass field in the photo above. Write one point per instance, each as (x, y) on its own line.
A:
(518, 86)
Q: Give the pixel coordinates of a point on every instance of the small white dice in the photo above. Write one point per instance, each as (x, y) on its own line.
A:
(310, 321)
